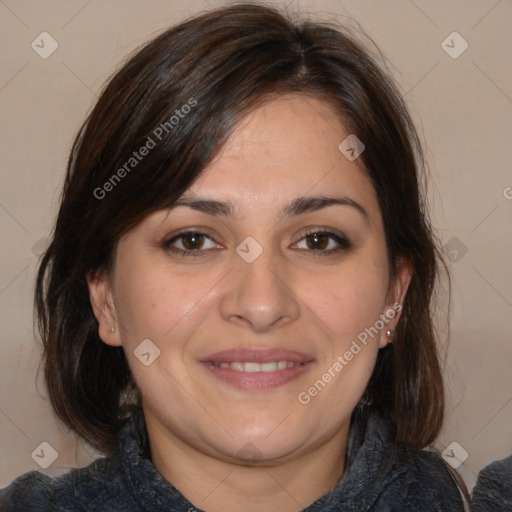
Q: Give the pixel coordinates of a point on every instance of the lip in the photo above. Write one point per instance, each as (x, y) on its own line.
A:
(257, 381)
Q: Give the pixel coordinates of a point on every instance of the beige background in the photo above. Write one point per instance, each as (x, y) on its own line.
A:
(463, 108)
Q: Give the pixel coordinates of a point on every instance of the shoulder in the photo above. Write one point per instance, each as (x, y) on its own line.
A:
(394, 477)
(29, 490)
(78, 490)
(421, 478)
(493, 489)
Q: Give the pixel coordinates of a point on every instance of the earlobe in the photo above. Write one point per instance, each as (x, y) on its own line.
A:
(102, 303)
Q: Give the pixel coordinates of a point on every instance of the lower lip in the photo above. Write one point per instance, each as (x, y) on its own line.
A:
(257, 380)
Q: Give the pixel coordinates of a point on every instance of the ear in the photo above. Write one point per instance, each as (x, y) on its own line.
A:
(395, 299)
(100, 294)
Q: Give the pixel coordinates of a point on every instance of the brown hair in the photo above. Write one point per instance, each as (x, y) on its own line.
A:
(222, 64)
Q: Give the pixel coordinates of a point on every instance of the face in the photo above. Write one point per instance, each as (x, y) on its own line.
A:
(263, 298)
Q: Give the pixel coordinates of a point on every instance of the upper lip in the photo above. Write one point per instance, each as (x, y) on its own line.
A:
(257, 355)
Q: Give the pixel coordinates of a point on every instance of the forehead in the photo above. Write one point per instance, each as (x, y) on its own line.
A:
(284, 149)
(302, 124)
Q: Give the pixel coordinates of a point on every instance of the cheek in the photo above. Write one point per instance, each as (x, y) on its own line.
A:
(166, 309)
(160, 305)
(349, 300)
(348, 306)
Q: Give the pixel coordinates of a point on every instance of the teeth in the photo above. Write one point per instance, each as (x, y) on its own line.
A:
(251, 367)
(269, 367)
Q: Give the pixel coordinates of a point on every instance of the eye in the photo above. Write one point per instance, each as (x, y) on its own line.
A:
(323, 242)
(191, 243)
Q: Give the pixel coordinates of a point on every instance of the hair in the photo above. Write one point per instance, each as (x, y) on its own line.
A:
(223, 64)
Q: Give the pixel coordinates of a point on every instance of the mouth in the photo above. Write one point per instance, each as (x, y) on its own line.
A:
(252, 367)
(257, 368)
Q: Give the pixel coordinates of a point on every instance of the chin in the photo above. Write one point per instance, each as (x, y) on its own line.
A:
(264, 453)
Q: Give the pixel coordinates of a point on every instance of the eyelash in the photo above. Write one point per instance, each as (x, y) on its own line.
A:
(343, 243)
(183, 252)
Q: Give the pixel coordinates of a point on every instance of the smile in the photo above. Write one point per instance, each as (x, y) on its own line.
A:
(252, 367)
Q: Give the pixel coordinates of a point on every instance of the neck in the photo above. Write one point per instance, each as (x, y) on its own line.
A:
(215, 484)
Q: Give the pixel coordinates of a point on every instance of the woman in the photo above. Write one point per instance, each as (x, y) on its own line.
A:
(236, 303)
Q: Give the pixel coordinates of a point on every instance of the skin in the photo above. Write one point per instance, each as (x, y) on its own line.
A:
(291, 297)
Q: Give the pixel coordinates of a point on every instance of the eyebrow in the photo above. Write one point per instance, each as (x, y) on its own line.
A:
(298, 206)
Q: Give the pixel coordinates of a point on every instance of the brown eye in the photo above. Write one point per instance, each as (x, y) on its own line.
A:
(323, 242)
(192, 241)
(317, 241)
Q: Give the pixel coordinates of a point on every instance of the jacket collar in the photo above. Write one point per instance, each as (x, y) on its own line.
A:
(370, 456)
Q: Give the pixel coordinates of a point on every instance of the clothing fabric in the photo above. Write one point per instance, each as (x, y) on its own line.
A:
(380, 476)
(493, 489)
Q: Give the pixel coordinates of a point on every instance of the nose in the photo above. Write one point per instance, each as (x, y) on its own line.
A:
(259, 294)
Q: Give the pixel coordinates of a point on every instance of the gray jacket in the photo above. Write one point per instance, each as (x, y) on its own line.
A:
(493, 489)
(380, 476)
